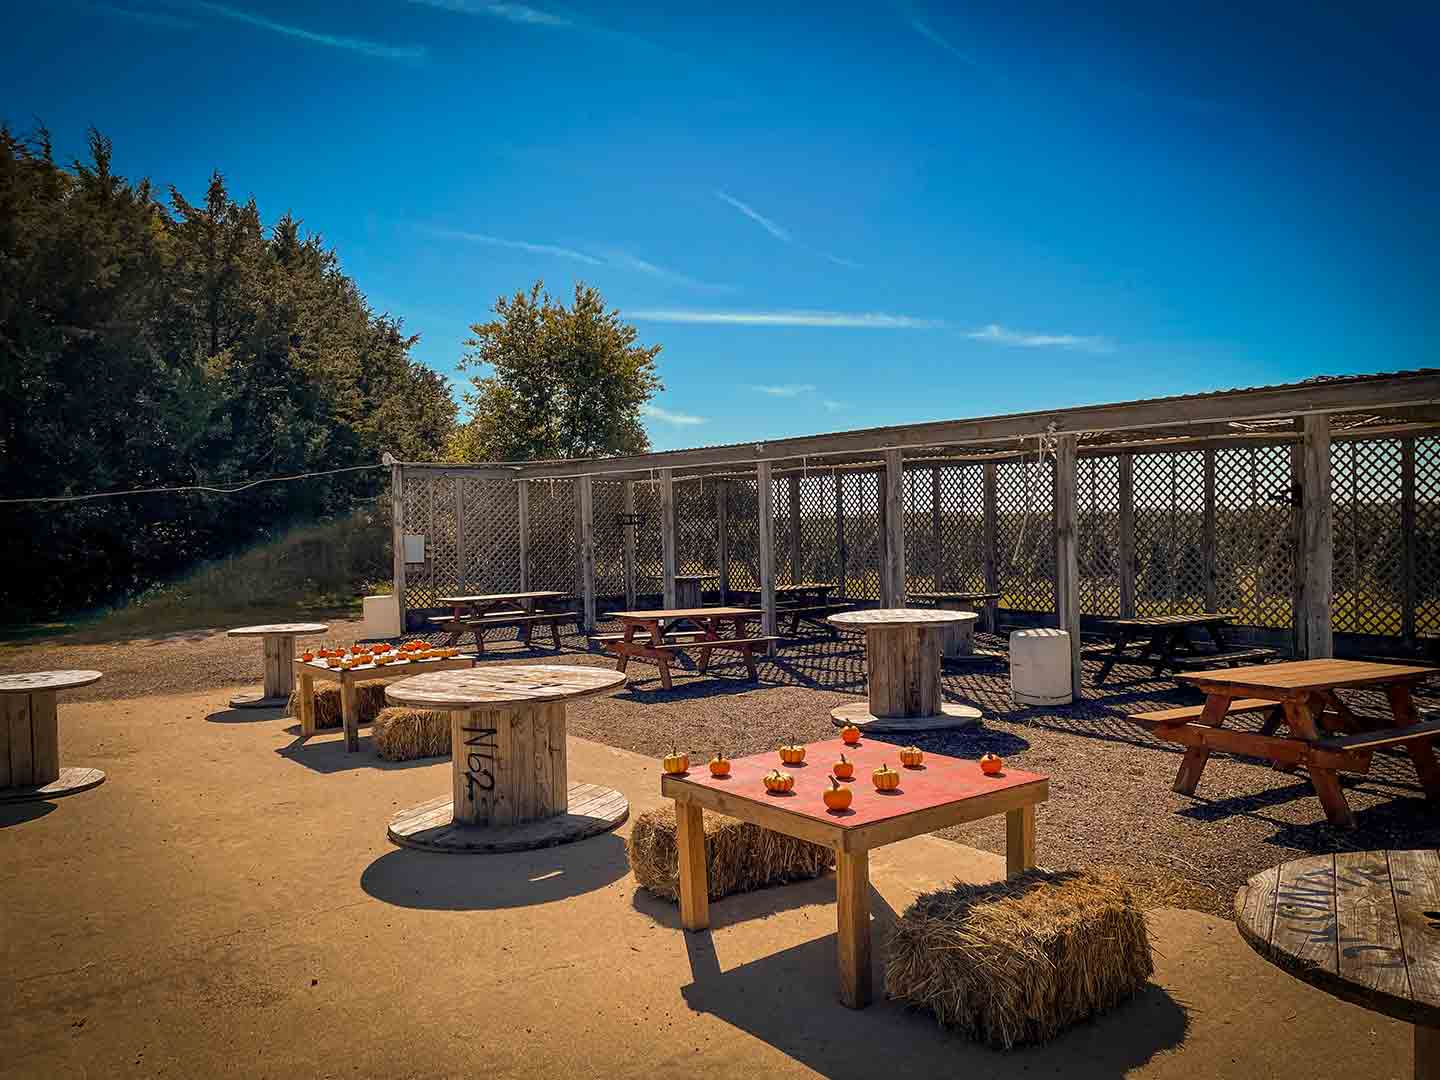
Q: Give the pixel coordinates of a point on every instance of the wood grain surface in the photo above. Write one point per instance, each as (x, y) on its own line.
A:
(32, 682)
(501, 687)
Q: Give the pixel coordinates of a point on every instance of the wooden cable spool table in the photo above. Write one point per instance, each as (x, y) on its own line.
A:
(902, 651)
(1361, 925)
(279, 644)
(30, 737)
(690, 589)
(510, 786)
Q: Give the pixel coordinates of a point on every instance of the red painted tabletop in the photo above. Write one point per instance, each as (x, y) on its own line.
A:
(937, 781)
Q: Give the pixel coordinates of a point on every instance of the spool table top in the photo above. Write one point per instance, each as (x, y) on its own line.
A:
(279, 628)
(39, 682)
(897, 617)
(505, 686)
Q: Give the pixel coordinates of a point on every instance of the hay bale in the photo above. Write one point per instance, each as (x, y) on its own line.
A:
(369, 702)
(739, 856)
(1021, 960)
(407, 734)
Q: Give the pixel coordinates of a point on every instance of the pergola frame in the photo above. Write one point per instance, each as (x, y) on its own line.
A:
(1304, 416)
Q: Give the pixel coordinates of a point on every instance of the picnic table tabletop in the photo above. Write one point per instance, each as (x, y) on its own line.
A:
(697, 577)
(1153, 622)
(805, 586)
(895, 618)
(1294, 677)
(663, 614)
(535, 594)
(964, 597)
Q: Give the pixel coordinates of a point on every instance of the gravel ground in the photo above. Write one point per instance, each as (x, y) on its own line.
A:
(1110, 805)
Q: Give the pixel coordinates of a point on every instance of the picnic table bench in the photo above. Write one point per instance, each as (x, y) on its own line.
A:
(984, 602)
(1169, 646)
(662, 648)
(526, 611)
(1325, 735)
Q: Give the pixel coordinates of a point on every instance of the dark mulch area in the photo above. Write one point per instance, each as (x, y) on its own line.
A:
(1110, 805)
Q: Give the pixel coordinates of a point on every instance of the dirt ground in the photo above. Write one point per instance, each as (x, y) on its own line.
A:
(1110, 805)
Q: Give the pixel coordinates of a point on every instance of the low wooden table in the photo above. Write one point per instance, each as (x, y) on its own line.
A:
(805, 601)
(660, 650)
(1324, 734)
(963, 601)
(279, 645)
(30, 737)
(478, 606)
(1168, 640)
(510, 782)
(1361, 925)
(307, 671)
(690, 589)
(902, 651)
(943, 791)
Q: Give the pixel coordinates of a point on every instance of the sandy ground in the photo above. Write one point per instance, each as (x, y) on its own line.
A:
(1111, 805)
(227, 904)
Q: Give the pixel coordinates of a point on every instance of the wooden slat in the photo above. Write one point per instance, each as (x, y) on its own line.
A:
(766, 539)
(892, 550)
(1424, 731)
(17, 717)
(1370, 952)
(1255, 905)
(1415, 878)
(5, 774)
(44, 738)
(1304, 675)
(1186, 713)
(1304, 926)
(1019, 840)
(852, 912)
(1067, 565)
(1316, 547)
(694, 886)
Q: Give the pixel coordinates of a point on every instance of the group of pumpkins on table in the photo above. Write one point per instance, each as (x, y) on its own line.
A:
(836, 797)
(378, 655)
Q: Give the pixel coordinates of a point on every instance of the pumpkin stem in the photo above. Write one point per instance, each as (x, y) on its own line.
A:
(835, 783)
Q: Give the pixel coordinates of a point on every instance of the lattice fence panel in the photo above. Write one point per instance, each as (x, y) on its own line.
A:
(861, 554)
(962, 529)
(649, 543)
(489, 535)
(781, 518)
(697, 548)
(607, 499)
(418, 500)
(1025, 534)
(742, 534)
(819, 550)
(1255, 535)
(1169, 533)
(1097, 485)
(1369, 559)
(554, 562)
(921, 556)
(1425, 539)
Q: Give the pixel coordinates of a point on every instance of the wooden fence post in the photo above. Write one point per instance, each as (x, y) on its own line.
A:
(990, 555)
(765, 498)
(1410, 582)
(462, 559)
(397, 538)
(1126, 481)
(627, 542)
(722, 537)
(586, 506)
(1207, 535)
(1067, 561)
(1313, 619)
(667, 532)
(892, 565)
(522, 512)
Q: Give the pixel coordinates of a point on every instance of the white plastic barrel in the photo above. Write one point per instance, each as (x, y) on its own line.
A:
(1040, 667)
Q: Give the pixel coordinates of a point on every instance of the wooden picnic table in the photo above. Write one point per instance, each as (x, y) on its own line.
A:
(401, 667)
(1169, 643)
(941, 792)
(30, 737)
(1361, 925)
(1325, 735)
(279, 648)
(806, 601)
(902, 652)
(690, 589)
(664, 642)
(510, 786)
(963, 601)
(475, 612)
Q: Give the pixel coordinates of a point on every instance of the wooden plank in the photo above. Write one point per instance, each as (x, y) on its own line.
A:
(397, 538)
(44, 737)
(7, 701)
(628, 543)
(1300, 676)
(939, 572)
(768, 815)
(17, 717)
(306, 693)
(852, 916)
(586, 510)
(349, 713)
(932, 819)
(892, 554)
(1368, 929)
(1067, 552)
(1305, 928)
(1019, 840)
(1316, 541)
(524, 792)
(765, 511)
(559, 769)
(1409, 533)
(522, 518)
(990, 541)
(1255, 904)
(1415, 877)
(1207, 533)
(667, 533)
(793, 485)
(694, 883)
(722, 537)
(1185, 713)
(1383, 737)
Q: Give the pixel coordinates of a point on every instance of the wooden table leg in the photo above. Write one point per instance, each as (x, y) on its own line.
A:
(657, 638)
(306, 694)
(1121, 643)
(1427, 1053)
(33, 737)
(456, 627)
(1192, 765)
(1402, 705)
(279, 665)
(1019, 840)
(349, 714)
(694, 880)
(852, 904)
(1300, 717)
(1163, 645)
(527, 606)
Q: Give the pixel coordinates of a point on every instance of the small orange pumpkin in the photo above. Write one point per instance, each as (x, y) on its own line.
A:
(850, 734)
(777, 781)
(793, 754)
(843, 768)
(307, 657)
(911, 756)
(719, 764)
(991, 764)
(676, 762)
(886, 778)
(837, 797)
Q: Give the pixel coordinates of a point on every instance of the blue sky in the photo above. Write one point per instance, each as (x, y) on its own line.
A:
(851, 216)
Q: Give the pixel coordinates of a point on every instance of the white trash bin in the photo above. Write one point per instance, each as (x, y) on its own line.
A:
(382, 617)
(1040, 667)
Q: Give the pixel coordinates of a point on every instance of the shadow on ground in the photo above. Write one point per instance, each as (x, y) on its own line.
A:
(441, 882)
(19, 813)
(247, 716)
(742, 907)
(325, 753)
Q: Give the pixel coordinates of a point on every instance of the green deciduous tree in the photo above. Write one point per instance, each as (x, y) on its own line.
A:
(555, 381)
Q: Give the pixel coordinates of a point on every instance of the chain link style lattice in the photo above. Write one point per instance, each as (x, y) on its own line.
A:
(781, 518)
(649, 546)
(1369, 559)
(862, 528)
(1255, 535)
(488, 535)
(742, 534)
(1097, 486)
(697, 549)
(1425, 538)
(819, 550)
(608, 500)
(1025, 534)
(554, 554)
(1169, 533)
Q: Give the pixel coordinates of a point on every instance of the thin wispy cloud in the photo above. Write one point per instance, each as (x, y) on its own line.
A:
(873, 320)
(519, 245)
(620, 260)
(927, 31)
(626, 261)
(665, 416)
(789, 390)
(516, 13)
(1001, 335)
(849, 264)
(334, 41)
(153, 18)
(831, 405)
(755, 216)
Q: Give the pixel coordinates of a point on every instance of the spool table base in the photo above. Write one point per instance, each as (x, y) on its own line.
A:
(257, 700)
(431, 826)
(71, 781)
(950, 717)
